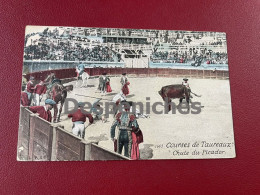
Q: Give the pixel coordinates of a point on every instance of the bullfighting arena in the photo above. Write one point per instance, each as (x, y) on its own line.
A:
(165, 135)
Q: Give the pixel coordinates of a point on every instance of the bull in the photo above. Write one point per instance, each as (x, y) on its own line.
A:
(173, 92)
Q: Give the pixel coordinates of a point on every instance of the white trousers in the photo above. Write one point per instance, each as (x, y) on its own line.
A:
(79, 130)
(37, 98)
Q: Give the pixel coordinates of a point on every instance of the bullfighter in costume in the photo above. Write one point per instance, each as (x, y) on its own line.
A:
(44, 111)
(100, 80)
(117, 99)
(40, 89)
(126, 123)
(124, 79)
(24, 99)
(125, 88)
(104, 81)
(186, 84)
(30, 89)
(78, 119)
(108, 87)
(24, 80)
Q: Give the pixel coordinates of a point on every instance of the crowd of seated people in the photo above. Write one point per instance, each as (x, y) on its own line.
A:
(188, 57)
(53, 45)
(67, 52)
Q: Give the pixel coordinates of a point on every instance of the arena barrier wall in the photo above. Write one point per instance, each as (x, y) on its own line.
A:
(100, 153)
(38, 66)
(39, 140)
(136, 72)
(68, 146)
(24, 134)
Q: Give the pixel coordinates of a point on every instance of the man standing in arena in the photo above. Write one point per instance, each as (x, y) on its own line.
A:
(44, 111)
(186, 84)
(104, 80)
(100, 80)
(78, 119)
(126, 123)
(117, 99)
(123, 80)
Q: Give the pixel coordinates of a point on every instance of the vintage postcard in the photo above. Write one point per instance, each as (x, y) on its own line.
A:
(124, 94)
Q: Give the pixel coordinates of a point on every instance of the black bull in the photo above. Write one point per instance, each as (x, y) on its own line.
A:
(174, 91)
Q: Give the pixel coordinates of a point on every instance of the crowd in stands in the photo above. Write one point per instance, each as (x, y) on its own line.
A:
(74, 44)
(188, 57)
(67, 52)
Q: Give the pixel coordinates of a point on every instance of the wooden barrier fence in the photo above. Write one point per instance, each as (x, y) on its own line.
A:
(39, 140)
(136, 72)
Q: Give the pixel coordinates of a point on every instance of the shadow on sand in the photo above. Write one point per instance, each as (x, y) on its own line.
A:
(108, 94)
(146, 152)
(97, 139)
(129, 96)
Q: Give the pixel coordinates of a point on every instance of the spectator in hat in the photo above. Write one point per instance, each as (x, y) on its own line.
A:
(44, 111)
(79, 119)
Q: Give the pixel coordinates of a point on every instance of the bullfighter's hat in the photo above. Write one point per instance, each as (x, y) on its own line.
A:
(124, 73)
(185, 79)
(104, 73)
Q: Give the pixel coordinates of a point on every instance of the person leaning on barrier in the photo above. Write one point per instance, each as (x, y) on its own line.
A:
(44, 111)
(78, 119)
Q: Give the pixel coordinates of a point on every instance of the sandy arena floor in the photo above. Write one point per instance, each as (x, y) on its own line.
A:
(161, 132)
